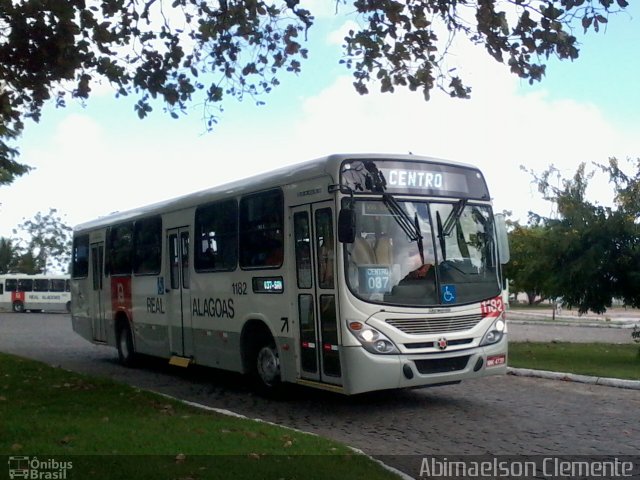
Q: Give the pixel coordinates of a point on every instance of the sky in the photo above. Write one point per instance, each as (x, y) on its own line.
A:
(94, 159)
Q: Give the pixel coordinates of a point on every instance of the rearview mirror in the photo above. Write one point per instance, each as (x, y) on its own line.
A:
(347, 225)
(503, 239)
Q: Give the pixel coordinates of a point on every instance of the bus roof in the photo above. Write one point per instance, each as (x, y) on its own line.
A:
(53, 276)
(327, 165)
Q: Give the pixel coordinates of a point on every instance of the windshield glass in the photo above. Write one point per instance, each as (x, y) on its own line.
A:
(426, 254)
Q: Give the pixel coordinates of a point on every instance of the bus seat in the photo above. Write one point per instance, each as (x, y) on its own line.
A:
(362, 253)
(384, 252)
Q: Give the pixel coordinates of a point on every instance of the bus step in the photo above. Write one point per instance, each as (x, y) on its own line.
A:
(179, 361)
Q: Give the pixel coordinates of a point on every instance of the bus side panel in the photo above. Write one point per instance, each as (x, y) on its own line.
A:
(47, 301)
(217, 317)
(150, 315)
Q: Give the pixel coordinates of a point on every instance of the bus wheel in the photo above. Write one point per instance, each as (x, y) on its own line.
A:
(126, 352)
(267, 368)
(18, 307)
(68, 307)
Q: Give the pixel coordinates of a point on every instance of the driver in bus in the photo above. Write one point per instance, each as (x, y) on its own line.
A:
(412, 267)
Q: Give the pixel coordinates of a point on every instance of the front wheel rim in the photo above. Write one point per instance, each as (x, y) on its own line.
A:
(268, 365)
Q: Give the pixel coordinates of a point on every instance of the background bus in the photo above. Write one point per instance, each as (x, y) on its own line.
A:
(349, 273)
(21, 292)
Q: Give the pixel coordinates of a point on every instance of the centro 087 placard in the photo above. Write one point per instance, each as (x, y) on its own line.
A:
(374, 279)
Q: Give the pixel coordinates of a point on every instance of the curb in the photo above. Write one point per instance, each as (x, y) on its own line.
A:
(572, 377)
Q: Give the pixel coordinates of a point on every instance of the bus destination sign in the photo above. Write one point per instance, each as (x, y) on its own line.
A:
(268, 285)
(414, 177)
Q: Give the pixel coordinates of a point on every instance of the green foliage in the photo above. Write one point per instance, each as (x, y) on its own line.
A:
(589, 254)
(190, 51)
(8, 255)
(527, 271)
(48, 244)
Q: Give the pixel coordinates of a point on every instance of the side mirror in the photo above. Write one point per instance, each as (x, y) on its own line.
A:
(503, 239)
(347, 225)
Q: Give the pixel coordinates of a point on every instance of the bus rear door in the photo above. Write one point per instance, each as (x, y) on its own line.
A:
(315, 293)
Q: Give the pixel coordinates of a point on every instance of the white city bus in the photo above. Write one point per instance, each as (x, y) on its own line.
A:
(350, 273)
(21, 292)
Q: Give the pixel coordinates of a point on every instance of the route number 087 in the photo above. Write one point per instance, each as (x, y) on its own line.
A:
(378, 283)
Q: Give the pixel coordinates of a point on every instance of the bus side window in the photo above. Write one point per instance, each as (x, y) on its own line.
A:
(41, 285)
(262, 230)
(80, 260)
(58, 285)
(216, 244)
(121, 249)
(25, 285)
(147, 241)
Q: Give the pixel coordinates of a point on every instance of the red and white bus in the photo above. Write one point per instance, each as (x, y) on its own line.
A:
(21, 292)
(349, 273)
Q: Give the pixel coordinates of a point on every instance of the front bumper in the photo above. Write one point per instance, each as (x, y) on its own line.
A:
(366, 371)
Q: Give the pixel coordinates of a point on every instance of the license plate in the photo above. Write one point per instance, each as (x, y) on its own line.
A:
(496, 360)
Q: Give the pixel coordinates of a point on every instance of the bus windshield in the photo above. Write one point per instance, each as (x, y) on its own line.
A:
(419, 253)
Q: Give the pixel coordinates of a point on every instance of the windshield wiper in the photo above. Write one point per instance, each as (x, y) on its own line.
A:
(402, 218)
(443, 245)
(453, 217)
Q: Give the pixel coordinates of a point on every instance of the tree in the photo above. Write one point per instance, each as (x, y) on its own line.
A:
(527, 270)
(7, 255)
(48, 244)
(192, 50)
(593, 251)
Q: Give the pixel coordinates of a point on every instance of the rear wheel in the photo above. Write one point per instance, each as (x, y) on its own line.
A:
(126, 351)
(18, 307)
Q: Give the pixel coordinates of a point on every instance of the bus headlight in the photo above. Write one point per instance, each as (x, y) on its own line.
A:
(495, 333)
(371, 339)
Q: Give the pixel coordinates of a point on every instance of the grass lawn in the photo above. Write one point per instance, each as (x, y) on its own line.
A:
(598, 359)
(109, 430)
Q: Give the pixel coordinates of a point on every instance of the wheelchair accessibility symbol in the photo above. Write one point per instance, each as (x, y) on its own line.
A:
(448, 293)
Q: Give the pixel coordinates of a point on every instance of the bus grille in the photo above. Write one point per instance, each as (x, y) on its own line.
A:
(442, 365)
(421, 326)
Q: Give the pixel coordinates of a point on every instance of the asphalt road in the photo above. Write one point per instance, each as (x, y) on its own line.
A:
(500, 415)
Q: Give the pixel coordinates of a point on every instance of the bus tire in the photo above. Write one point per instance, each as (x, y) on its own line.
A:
(266, 369)
(124, 342)
(262, 361)
(18, 307)
(68, 307)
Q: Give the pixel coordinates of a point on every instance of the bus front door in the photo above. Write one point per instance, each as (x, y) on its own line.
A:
(98, 317)
(179, 293)
(315, 290)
